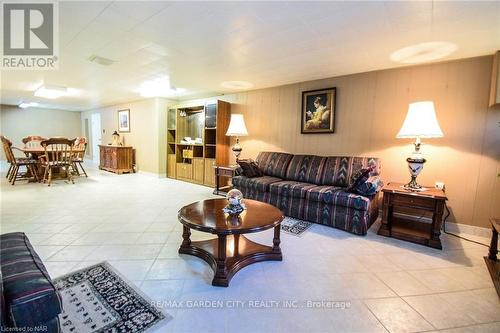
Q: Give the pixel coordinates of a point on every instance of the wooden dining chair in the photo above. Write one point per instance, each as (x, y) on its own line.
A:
(17, 162)
(79, 148)
(58, 155)
(33, 141)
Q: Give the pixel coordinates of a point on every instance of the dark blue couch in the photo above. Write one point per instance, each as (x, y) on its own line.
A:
(29, 300)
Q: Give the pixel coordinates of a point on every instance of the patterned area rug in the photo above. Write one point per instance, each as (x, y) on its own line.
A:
(99, 299)
(294, 227)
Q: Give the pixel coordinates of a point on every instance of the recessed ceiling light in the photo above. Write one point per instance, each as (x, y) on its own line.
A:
(24, 105)
(240, 85)
(101, 60)
(159, 87)
(51, 92)
(423, 52)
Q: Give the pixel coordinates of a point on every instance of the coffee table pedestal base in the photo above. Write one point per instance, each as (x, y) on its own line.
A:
(228, 254)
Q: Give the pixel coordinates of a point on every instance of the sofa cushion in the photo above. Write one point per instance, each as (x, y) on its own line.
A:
(306, 168)
(370, 187)
(359, 178)
(290, 188)
(30, 297)
(338, 197)
(250, 168)
(258, 183)
(338, 170)
(274, 164)
(316, 193)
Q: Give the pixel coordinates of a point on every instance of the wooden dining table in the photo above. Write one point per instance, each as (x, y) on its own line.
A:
(38, 151)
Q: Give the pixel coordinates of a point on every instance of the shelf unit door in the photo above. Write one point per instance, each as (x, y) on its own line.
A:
(198, 173)
(222, 141)
(209, 172)
(171, 165)
(184, 171)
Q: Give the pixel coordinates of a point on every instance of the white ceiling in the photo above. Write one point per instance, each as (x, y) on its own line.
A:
(201, 44)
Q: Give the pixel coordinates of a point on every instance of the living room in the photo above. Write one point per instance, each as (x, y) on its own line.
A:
(259, 166)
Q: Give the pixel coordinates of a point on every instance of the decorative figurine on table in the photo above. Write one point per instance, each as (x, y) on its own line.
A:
(234, 206)
(116, 139)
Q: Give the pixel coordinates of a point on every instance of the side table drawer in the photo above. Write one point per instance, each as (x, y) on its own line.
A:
(225, 172)
(413, 201)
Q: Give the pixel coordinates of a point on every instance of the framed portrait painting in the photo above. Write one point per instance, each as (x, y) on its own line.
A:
(124, 120)
(318, 111)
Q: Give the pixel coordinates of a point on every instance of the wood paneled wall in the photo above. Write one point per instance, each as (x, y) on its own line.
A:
(371, 108)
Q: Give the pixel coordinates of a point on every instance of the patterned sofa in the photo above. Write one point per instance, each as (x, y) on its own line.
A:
(29, 300)
(313, 188)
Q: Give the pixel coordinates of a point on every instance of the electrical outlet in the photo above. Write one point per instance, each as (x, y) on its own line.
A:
(439, 185)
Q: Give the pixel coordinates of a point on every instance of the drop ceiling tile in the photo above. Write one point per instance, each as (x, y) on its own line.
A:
(268, 43)
(139, 10)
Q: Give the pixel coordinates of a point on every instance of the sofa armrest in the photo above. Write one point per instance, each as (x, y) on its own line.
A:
(30, 297)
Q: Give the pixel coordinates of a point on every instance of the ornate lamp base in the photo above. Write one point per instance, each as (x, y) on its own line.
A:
(237, 149)
(415, 166)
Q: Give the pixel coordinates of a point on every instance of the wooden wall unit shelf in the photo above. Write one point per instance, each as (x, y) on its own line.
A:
(194, 161)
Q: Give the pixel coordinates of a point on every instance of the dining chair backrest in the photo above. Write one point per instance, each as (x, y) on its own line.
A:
(81, 147)
(7, 148)
(58, 151)
(33, 141)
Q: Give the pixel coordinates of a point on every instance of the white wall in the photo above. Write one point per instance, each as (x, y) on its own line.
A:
(147, 131)
(17, 123)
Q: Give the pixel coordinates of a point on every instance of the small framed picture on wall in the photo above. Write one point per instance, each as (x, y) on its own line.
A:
(124, 120)
(318, 111)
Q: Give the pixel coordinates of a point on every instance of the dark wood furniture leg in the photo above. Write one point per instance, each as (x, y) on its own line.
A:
(221, 276)
(186, 234)
(215, 253)
(276, 240)
(217, 185)
(437, 222)
(491, 260)
(492, 254)
(385, 228)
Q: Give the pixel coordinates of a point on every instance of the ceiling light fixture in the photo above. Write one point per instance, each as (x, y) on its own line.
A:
(51, 92)
(101, 60)
(239, 85)
(24, 105)
(423, 52)
(159, 88)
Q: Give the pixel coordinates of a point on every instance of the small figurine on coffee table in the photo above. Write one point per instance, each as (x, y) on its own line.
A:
(234, 206)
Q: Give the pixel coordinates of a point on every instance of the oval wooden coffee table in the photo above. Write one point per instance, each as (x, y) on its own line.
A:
(230, 251)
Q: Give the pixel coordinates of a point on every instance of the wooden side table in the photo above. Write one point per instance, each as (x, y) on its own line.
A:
(408, 226)
(491, 260)
(223, 172)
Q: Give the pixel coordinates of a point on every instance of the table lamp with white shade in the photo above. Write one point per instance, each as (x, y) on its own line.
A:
(420, 122)
(237, 128)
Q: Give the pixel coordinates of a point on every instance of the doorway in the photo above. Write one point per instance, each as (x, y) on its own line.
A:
(95, 122)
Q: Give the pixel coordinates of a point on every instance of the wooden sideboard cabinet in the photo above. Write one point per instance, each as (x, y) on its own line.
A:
(117, 159)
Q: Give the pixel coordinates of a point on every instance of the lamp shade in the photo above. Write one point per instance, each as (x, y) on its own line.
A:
(420, 122)
(237, 126)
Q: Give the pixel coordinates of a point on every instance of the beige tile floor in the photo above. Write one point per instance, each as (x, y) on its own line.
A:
(379, 284)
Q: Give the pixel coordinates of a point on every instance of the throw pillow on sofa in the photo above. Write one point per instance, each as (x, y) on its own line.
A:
(250, 168)
(358, 178)
(370, 187)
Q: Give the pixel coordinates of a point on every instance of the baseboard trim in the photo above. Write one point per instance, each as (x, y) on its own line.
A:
(458, 228)
(152, 174)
